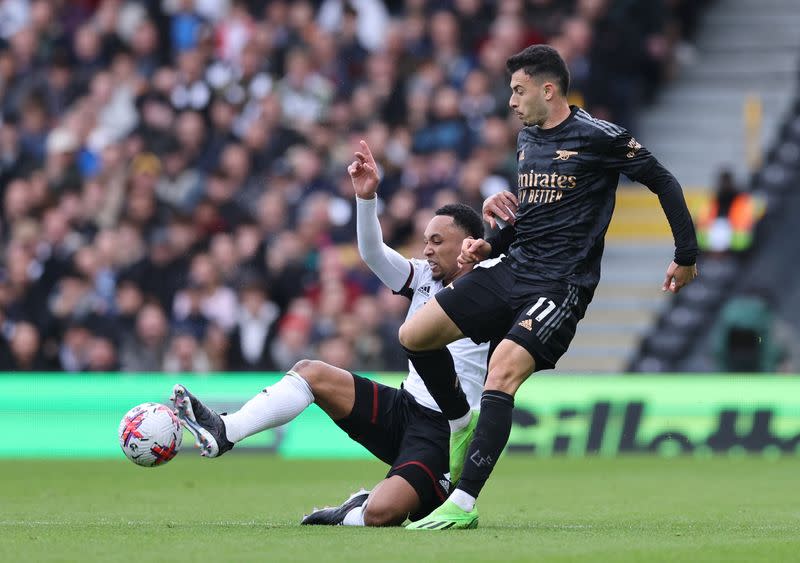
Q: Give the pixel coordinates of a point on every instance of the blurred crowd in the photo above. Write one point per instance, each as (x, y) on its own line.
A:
(173, 172)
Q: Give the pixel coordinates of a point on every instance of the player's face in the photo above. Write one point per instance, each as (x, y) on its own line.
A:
(442, 247)
(528, 98)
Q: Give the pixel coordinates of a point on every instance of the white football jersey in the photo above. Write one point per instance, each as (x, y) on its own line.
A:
(470, 359)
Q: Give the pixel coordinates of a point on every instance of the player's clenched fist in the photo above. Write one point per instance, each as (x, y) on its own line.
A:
(364, 173)
(473, 251)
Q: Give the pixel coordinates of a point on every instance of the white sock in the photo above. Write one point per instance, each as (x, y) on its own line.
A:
(274, 406)
(355, 517)
(460, 423)
(464, 501)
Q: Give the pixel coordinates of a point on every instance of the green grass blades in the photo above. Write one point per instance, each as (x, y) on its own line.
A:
(247, 508)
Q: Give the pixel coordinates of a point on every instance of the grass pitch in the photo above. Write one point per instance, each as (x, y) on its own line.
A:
(247, 508)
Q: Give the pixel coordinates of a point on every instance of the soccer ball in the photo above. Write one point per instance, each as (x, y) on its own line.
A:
(150, 434)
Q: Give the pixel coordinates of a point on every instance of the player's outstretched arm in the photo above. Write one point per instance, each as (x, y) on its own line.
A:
(389, 265)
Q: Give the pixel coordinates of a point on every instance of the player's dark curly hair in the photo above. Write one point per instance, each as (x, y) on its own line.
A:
(539, 61)
(465, 218)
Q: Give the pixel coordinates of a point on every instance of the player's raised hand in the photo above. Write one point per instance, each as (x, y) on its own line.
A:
(501, 205)
(678, 276)
(473, 251)
(364, 173)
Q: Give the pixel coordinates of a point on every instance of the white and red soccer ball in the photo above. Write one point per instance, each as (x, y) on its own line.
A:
(150, 434)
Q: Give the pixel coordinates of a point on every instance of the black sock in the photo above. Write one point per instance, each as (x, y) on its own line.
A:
(491, 436)
(436, 369)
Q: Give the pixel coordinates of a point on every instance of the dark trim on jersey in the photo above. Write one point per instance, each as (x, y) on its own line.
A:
(406, 290)
(436, 486)
(374, 418)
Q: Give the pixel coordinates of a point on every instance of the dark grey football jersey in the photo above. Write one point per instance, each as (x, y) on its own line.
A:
(566, 186)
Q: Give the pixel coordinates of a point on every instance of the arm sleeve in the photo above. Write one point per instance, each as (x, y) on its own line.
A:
(662, 183)
(389, 265)
(501, 240)
(625, 154)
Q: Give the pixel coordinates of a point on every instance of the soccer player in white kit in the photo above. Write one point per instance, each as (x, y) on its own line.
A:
(402, 427)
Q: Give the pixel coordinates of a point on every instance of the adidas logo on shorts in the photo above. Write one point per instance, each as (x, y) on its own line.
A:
(527, 323)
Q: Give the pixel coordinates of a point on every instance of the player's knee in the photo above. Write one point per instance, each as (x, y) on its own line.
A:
(381, 513)
(313, 371)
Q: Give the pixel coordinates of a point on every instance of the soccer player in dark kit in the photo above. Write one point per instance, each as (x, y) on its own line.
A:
(529, 303)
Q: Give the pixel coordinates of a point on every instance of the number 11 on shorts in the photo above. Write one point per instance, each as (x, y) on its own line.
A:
(543, 314)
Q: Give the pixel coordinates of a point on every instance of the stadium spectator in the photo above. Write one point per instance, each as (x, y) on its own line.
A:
(293, 341)
(252, 335)
(128, 302)
(370, 19)
(185, 355)
(14, 16)
(216, 346)
(102, 353)
(204, 295)
(336, 349)
(362, 328)
(73, 354)
(186, 25)
(180, 186)
(144, 46)
(726, 221)
(145, 349)
(25, 351)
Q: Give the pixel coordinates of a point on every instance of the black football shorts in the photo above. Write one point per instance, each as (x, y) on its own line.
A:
(490, 304)
(413, 439)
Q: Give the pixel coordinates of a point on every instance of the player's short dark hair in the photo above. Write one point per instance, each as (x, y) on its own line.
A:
(538, 61)
(465, 218)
